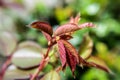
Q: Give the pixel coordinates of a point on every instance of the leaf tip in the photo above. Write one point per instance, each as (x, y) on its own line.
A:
(111, 72)
(29, 25)
(87, 24)
(81, 65)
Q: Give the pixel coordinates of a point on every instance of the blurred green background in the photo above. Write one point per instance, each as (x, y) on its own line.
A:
(15, 15)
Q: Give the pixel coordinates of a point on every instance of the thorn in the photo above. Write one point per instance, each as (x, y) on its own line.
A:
(49, 43)
(111, 73)
(81, 66)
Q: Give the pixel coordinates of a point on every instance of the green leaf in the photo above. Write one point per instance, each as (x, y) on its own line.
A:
(53, 54)
(13, 73)
(27, 55)
(95, 74)
(8, 43)
(86, 46)
(52, 75)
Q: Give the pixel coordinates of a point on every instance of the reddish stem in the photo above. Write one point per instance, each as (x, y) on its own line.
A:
(4, 67)
(42, 65)
(6, 64)
(58, 69)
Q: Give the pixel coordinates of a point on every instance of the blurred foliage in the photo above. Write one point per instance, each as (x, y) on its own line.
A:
(94, 74)
(15, 15)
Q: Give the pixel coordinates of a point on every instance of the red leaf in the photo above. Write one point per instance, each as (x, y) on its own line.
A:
(67, 28)
(76, 19)
(67, 54)
(73, 52)
(43, 26)
(88, 24)
(62, 53)
(98, 63)
(48, 37)
(71, 49)
(70, 27)
(71, 60)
